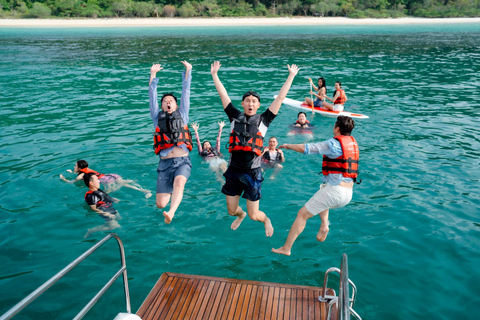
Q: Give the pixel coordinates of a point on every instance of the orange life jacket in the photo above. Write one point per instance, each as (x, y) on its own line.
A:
(171, 131)
(342, 98)
(306, 123)
(246, 135)
(87, 170)
(346, 164)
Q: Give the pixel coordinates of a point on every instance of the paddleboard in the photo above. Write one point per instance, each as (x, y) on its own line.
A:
(327, 113)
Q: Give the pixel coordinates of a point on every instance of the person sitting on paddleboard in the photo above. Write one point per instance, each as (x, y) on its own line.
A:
(339, 99)
(321, 92)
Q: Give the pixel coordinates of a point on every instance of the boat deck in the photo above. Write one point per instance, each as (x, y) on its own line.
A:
(180, 296)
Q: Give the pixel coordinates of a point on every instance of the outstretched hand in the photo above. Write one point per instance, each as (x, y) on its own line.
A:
(221, 124)
(283, 146)
(293, 69)
(194, 126)
(156, 67)
(215, 67)
(187, 65)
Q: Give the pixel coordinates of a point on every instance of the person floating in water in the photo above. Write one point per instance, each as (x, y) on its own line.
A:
(244, 175)
(172, 140)
(272, 157)
(320, 94)
(340, 170)
(100, 202)
(211, 155)
(111, 181)
(339, 99)
(302, 121)
(301, 126)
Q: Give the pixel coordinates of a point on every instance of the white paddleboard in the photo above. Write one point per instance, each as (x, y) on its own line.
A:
(327, 113)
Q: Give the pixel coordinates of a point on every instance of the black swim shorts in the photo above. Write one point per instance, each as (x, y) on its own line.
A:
(248, 182)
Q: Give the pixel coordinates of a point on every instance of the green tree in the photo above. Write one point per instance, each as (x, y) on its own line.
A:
(39, 10)
(120, 7)
(91, 9)
(142, 9)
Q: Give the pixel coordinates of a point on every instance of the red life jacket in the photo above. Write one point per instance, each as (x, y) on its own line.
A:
(306, 122)
(87, 170)
(171, 131)
(342, 98)
(246, 135)
(346, 164)
(105, 199)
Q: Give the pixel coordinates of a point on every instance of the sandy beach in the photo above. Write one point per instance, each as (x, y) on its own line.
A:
(152, 22)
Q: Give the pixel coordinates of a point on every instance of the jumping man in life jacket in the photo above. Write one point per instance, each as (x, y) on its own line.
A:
(172, 140)
(340, 170)
(247, 131)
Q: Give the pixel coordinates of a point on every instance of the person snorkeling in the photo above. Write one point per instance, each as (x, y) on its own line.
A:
(100, 202)
(211, 155)
(111, 181)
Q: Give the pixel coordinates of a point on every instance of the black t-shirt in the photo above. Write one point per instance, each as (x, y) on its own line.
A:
(247, 159)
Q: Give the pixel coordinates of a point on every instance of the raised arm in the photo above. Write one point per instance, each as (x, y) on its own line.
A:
(185, 98)
(300, 148)
(195, 128)
(221, 124)
(152, 93)
(222, 92)
(276, 104)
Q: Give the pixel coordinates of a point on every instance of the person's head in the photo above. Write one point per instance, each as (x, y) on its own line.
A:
(302, 117)
(169, 102)
(250, 103)
(338, 85)
(343, 126)
(206, 145)
(91, 181)
(321, 82)
(80, 164)
(272, 142)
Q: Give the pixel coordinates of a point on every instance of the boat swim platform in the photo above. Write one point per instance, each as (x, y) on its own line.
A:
(181, 296)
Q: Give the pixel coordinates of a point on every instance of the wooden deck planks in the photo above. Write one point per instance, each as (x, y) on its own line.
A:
(179, 296)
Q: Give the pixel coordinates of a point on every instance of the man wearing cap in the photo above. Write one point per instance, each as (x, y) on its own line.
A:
(172, 140)
(248, 130)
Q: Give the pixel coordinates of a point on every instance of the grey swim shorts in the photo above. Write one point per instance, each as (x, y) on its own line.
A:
(169, 169)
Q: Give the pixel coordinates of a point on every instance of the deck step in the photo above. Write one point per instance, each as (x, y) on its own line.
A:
(181, 296)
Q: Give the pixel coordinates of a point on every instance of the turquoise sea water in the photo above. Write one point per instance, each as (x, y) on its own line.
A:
(411, 232)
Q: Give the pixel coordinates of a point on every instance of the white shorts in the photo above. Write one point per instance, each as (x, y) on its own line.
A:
(329, 197)
(338, 107)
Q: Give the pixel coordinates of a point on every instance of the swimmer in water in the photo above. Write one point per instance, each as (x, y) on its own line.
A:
(111, 181)
(272, 157)
(302, 121)
(210, 155)
(301, 126)
(100, 202)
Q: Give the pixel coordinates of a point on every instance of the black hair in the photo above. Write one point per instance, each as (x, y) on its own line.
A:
(82, 164)
(251, 93)
(203, 143)
(324, 84)
(345, 124)
(273, 137)
(339, 83)
(301, 113)
(87, 177)
(166, 95)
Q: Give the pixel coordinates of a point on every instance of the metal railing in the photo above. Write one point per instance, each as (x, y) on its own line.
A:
(35, 294)
(343, 301)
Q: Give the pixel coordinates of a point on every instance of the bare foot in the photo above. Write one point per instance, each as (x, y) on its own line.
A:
(148, 195)
(168, 217)
(282, 250)
(322, 234)
(238, 221)
(268, 227)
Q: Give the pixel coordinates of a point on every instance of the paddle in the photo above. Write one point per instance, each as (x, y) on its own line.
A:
(311, 95)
